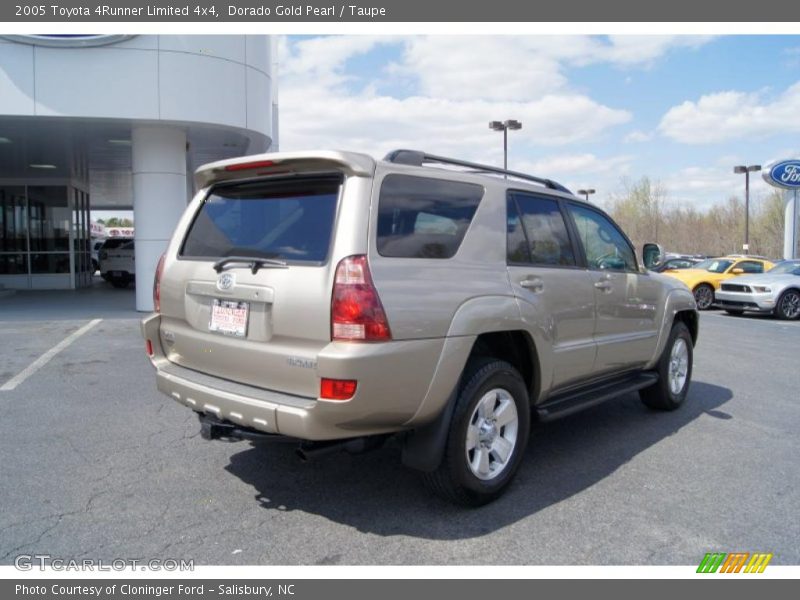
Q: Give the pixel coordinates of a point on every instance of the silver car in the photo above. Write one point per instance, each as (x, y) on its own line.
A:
(334, 300)
(777, 291)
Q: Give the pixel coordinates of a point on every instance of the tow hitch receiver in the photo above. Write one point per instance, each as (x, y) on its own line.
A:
(212, 428)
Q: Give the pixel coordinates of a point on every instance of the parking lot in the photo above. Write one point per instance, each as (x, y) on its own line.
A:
(96, 463)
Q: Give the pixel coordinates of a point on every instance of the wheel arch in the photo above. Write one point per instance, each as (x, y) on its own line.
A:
(488, 326)
(692, 322)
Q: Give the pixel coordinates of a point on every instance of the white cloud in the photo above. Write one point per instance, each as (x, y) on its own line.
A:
(636, 137)
(315, 118)
(702, 187)
(644, 49)
(580, 171)
(520, 67)
(461, 84)
(729, 115)
(583, 164)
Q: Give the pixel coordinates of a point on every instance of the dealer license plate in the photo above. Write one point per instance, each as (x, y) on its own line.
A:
(229, 317)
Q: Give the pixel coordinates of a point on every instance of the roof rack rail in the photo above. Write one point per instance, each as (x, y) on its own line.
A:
(417, 159)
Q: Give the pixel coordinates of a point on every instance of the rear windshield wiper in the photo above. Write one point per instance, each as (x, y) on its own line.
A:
(254, 264)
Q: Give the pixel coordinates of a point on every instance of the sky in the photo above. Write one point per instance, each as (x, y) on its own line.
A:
(596, 111)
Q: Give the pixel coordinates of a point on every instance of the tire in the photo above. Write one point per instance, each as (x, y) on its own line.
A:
(119, 282)
(788, 306)
(490, 391)
(674, 371)
(736, 312)
(703, 296)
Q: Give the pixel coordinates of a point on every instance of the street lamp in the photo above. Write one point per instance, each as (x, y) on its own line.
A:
(586, 193)
(746, 170)
(504, 126)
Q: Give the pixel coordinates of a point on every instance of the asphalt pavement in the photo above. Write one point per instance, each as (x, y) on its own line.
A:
(95, 463)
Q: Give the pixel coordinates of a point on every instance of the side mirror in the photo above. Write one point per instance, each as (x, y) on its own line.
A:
(652, 255)
(737, 271)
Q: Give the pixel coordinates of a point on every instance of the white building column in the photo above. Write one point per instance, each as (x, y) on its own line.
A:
(790, 224)
(159, 198)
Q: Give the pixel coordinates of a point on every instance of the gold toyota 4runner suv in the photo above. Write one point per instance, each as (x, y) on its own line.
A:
(332, 300)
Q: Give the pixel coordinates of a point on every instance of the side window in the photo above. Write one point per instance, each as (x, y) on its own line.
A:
(749, 266)
(679, 264)
(605, 246)
(536, 231)
(419, 217)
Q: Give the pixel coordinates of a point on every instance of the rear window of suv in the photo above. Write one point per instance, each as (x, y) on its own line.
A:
(420, 217)
(287, 219)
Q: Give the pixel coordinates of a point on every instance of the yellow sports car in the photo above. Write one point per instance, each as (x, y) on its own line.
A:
(706, 276)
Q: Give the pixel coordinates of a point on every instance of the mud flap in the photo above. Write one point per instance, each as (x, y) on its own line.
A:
(423, 447)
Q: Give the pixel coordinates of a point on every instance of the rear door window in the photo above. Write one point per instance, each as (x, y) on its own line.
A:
(536, 232)
(420, 217)
(287, 219)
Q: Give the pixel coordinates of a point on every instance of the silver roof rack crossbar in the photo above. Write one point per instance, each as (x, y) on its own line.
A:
(417, 159)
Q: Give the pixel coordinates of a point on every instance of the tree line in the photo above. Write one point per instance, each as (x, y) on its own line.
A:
(116, 222)
(643, 211)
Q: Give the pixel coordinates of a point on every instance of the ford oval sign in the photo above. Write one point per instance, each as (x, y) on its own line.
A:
(784, 174)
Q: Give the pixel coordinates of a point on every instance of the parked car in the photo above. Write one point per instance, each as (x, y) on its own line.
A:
(705, 277)
(676, 262)
(117, 262)
(776, 291)
(335, 300)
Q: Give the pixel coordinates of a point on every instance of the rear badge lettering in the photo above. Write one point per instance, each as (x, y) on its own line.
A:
(303, 363)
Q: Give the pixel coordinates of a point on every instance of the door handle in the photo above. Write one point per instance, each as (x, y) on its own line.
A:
(534, 284)
(604, 285)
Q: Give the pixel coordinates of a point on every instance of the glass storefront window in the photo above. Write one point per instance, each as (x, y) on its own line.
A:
(36, 225)
(13, 219)
(49, 212)
(13, 264)
(50, 263)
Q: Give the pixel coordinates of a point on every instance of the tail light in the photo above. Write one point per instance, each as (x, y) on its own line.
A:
(157, 284)
(258, 164)
(356, 311)
(337, 389)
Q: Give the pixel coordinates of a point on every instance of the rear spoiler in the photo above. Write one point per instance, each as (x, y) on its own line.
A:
(280, 163)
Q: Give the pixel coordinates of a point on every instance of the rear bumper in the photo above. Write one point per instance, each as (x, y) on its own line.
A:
(393, 380)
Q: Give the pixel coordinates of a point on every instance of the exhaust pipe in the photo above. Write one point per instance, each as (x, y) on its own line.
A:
(312, 450)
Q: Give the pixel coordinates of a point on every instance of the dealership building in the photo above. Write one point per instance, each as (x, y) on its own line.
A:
(117, 122)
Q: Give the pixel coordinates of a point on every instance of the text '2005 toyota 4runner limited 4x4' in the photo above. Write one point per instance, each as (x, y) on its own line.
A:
(333, 300)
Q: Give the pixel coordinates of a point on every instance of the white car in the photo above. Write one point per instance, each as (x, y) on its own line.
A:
(777, 291)
(117, 262)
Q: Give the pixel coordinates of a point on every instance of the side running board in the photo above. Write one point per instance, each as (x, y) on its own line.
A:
(574, 401)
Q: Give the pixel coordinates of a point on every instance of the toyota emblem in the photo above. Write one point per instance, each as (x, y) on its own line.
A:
(225, 281)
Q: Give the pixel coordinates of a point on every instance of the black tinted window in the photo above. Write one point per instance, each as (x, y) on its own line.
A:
(112, 243)
(424, 218)
(285, 219)
(537, 232)
(751, 267)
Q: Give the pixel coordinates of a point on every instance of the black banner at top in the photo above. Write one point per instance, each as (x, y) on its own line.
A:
(384, 11)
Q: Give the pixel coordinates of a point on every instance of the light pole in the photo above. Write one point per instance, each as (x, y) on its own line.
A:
(746, 170)
(585, 193)
(504, 126)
